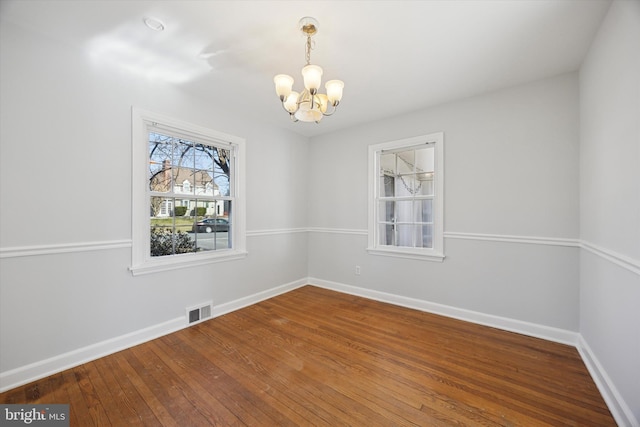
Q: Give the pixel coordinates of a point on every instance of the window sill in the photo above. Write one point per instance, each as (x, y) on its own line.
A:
(175, 262)
(408, 253)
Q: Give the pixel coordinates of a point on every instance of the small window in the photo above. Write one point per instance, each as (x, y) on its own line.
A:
(406, 198)
(186, 186)
(189, 209)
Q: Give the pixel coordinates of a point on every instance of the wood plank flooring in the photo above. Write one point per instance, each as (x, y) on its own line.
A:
(318, 357)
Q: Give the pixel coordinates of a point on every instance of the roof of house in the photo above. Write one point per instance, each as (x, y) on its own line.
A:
(161, 180)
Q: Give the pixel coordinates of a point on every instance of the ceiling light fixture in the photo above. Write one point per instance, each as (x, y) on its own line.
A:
(309, 105)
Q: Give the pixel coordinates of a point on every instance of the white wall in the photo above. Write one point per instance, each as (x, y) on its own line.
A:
(511, 169)
(610, 202)
(65, 177)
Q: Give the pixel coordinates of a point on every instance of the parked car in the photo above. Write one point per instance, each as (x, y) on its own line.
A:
(210, 225)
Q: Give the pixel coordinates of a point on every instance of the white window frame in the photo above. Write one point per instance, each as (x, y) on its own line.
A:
(142, 262)
(436, 253)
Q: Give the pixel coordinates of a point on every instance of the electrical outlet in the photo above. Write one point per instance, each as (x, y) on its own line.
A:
(357, 270)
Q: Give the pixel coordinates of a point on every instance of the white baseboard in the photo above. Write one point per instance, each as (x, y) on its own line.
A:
(221, 309)
(53, 365)
(526, 328)
(619, 409)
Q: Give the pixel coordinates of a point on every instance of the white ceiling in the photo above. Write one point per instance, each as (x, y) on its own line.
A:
(394, 56)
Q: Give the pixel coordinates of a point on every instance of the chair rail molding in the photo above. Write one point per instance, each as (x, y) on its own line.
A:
(35, 250)
(623, 261)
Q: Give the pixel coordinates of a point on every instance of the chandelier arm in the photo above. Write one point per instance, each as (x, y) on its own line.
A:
(291, 113)
(335, 107)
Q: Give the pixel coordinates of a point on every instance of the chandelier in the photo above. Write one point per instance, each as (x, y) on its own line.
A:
(308, 105)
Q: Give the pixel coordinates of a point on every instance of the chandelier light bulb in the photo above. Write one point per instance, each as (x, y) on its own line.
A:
(291, 102)
(312, 75)
(334, 91)
(284, 83)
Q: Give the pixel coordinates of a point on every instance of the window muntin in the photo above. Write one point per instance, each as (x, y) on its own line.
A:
(190, 174)
(406, 200)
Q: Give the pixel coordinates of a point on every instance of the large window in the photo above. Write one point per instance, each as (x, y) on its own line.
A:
(188, 207)
(406, 198)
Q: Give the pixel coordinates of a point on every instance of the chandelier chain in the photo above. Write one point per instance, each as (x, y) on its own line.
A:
(308, 50)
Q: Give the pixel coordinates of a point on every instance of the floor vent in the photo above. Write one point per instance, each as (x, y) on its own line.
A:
(199, 313)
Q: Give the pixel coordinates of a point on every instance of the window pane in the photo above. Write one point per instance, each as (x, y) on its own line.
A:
(223, 240)
(212, 229)
(201, 181)
(405, 186)
(424, 159)
(386, 211)
(425, 184)
(183, 154)
(424, 170)
(226, 210)
(183, 222)
(424, 235)
(203, 172)
(222, 171)
(204, 228)
(406, 161)
(154, 206)
(387, 186)
(182, 211)
(161, 242)
(204, 157)
(385, 231)
(182, 167)
(160, 153)
(387, 164)
(404, 211)
(404, 235)
(424, 211)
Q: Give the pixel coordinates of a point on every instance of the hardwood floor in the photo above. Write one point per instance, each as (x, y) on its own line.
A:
(317, 357)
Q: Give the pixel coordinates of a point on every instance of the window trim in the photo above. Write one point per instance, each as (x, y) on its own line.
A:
(429, 254)
(141, 260)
